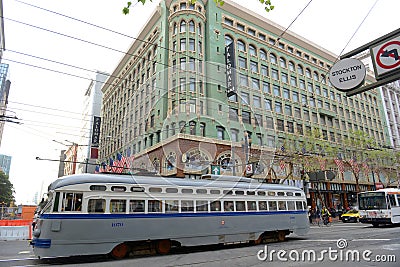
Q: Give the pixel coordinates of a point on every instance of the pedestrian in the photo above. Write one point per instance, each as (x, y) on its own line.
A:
(317, 215)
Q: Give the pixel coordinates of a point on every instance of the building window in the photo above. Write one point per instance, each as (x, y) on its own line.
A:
(257, 101)
(252, 50)
(183, 26)
(278, 107)
(264, 70)
(183, 44)
(191, 26)
(246, 117)
(234, 135)
(272, 59)
(266, 87)
(241, 45)
(220, 133)
(245, 98)
(263, 54)
(202, 129)
(191, 44)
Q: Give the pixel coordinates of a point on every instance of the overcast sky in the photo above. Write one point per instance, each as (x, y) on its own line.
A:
(49, 103)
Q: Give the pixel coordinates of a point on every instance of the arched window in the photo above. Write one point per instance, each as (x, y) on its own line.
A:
(300, 70)
(272, 58)
(263, 54)
(183, 26)
(252, 50)
(241, 45)
(228, 40)
(191, 26)
(316, 76)
(282, 62)
(175, 30)
(199, 29)
(291, 66)
(323, 79)
(308, 73)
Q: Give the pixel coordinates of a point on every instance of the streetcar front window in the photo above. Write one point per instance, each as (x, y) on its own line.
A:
(372, 201)
(72, 202)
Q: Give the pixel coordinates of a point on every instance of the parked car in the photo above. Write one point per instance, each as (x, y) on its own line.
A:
(350, 216)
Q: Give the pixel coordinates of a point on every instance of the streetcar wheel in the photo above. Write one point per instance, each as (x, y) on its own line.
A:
(258, 241)
(163, 246)
(281, 236)
(120, 251)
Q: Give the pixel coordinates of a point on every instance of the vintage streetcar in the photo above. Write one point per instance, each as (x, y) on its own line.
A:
(116, 214)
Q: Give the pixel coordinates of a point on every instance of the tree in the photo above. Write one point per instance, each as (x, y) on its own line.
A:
(6, 189)
(266, 3)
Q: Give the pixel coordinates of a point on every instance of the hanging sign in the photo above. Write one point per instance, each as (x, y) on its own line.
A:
(347, 74)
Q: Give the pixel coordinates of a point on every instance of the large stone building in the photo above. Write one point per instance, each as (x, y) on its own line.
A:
(169, 104)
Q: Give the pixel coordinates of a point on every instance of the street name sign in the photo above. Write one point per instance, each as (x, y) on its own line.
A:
(386, 56)
(347, 74)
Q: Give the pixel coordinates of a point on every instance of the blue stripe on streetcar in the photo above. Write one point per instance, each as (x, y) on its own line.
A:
(41, 243)
(162, 215)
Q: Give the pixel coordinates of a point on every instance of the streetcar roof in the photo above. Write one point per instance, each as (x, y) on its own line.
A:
(162, 181)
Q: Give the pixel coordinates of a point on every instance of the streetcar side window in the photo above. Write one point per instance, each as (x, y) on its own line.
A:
(291, 205)
(215, 192)
(118, 188)
(261, 193)
(201, 191)
(251, 193)
(186, 191)
(251, 205)
(272, 205)
(171, 190)
(98, 188)
(215, 206)
(187, 206)
(155, 190)
(72, 202)
(271, 193)
(171, 206)
(118, 206)
(201, 205)
(96, 205)
(154, 206)
(262, 205)
(239, 192)
(282, 205)
(281, 194)
(136, 206)
(299, 205)
(289, 194)
(240, 206)
(228, 206)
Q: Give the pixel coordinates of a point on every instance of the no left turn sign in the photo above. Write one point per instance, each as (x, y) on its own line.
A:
(386, 56)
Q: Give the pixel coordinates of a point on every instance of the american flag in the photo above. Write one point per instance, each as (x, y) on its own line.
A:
(354, 165)
(340, 165)
(120, 162)
(282, 164)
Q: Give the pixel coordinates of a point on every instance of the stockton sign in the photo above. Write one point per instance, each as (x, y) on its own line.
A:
(347, 74)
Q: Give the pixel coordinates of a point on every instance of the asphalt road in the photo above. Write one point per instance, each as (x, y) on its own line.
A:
(351, 244)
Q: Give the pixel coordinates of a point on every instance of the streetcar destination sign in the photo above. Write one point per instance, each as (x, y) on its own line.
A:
(347, 74)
